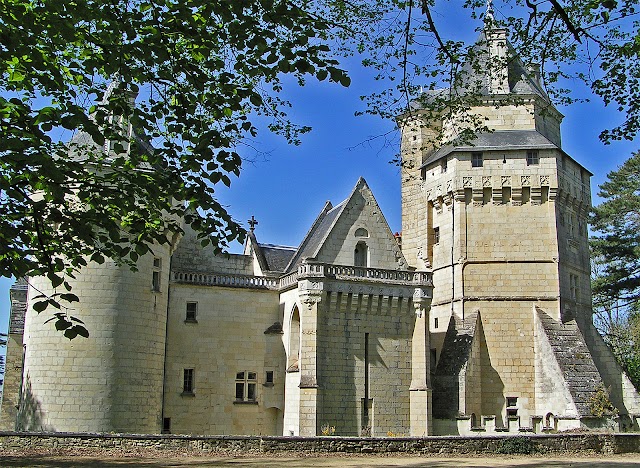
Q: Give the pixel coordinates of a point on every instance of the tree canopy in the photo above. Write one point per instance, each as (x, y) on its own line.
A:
(160, 94)
(616, 222)
(616, 252)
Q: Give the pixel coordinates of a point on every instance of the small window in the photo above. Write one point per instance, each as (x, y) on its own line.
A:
(435, 322)
(155, 277)
(268, 378)
(532, 158)
(476, 160)
(187, 385)
(512, 407)
(443, 165)
(436, 235)
(192, 312)
(166, 425)
(246, 386)
(573, 285)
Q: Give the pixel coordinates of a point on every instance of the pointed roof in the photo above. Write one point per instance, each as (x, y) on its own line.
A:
(323, 226)
(482, 62)
(270, 257)
(317, 233)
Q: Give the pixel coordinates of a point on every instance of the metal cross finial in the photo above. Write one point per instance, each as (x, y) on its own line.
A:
(488, 17)
(252, 222)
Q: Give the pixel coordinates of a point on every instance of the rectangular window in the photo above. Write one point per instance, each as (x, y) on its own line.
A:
(155, 278)
(476, 160)
(443, 165)
(436, 235)
(435, 322)
(246, 383)
(532, 158)
(512, 407)
(187, 384)
(269, 377)
(192, 312)
(573, 285)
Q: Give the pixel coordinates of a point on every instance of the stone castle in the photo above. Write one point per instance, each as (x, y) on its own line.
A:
(477, 319)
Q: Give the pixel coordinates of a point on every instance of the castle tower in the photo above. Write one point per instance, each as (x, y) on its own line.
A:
(502, 221)
(111, 381)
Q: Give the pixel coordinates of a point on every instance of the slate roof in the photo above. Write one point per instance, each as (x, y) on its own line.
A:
(475, 76)
(574, 358)
(316, 235)
(277, 257)
(497, 140)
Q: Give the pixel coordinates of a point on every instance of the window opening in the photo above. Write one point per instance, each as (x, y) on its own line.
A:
(246, 386)
(155, 278)
(512, 406)
(187, 384)
(532, 158)
(436, 235)
(191, 312)
(476, 160)
(269, 377)
(360, 255)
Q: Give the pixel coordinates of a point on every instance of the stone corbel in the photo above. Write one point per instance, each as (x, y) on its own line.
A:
(437, 204)
(421, 300)
(496, 195)
(458, 195)
(536, 195)
(477, 196)
(516, 196)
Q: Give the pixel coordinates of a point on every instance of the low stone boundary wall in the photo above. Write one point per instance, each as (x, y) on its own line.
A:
(583, 443)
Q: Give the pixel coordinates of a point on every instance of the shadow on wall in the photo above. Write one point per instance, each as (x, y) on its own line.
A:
(492, 395)
(453, 357)
(30, 414)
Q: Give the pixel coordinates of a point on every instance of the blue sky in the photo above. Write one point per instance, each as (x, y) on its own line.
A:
(286, 186)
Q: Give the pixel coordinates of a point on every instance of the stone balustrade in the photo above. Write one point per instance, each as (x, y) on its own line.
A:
(220, 279)
(305, 270)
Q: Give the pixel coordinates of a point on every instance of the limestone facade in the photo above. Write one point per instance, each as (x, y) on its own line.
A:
(478, 320)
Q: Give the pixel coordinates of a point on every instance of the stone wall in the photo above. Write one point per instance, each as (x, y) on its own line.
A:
(584, 444)
(235, 330)
(112, 380)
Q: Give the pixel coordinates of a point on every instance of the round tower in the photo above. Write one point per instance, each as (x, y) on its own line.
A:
(112, 380)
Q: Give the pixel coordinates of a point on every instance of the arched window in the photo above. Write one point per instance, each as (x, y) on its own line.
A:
(361, 232)
(293, 363)
(361, 255)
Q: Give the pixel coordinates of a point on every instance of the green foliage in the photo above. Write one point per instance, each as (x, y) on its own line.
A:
(617, 224)
(616, 268)
(516, 446)
(201, 72)
(599, 403)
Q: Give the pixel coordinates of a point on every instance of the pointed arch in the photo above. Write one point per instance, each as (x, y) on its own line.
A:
(293, 346)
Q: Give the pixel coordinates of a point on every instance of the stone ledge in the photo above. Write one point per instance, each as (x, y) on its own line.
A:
(584, 443)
